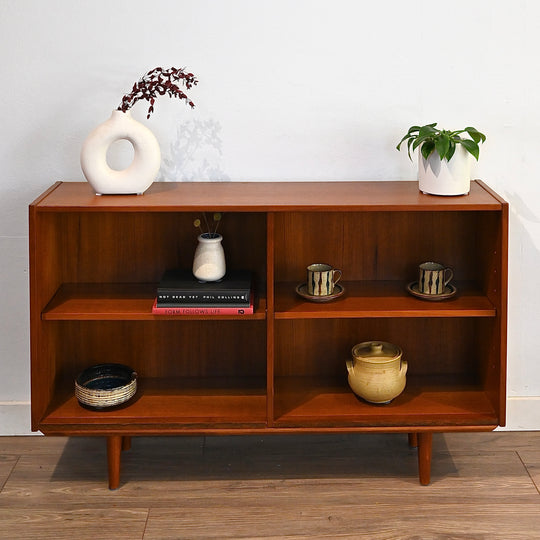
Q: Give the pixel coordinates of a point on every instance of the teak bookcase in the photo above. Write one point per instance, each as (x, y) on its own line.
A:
(94, 266)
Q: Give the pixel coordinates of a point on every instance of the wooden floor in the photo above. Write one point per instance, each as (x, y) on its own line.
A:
(484, 486)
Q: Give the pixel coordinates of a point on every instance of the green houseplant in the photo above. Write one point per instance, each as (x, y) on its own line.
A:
(443, 157)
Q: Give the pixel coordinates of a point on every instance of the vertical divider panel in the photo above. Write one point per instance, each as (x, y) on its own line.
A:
(270, 324)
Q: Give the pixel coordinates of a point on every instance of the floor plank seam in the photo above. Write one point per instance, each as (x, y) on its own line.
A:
(10, 472)
(145, 523)
(528, 472)
(203, 448)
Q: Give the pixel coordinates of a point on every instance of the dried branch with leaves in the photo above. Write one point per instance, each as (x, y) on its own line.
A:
(159, 82)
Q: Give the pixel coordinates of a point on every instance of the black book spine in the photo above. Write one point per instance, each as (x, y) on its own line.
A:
(203, 297)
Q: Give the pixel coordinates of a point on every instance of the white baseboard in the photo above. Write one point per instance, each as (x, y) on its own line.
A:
(15, 418)
(523, 414)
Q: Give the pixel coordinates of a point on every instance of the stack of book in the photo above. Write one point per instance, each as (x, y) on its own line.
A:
(180, 293)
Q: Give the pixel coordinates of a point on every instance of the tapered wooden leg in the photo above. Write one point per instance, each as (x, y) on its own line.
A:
(126, 443)
(424, 457)
(114, 450)
(413, 440)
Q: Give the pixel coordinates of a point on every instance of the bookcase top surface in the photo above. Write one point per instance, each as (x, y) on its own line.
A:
(265, 197)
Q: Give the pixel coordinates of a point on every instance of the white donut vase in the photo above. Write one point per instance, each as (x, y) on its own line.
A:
(142, 171)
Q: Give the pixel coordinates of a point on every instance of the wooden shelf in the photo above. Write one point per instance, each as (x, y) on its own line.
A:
(119, 302)
(174, 403)
(265, 197)
(106, 301)
(381, 299)
(315, 401)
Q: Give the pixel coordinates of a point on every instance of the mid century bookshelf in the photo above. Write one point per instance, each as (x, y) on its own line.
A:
(95, 262)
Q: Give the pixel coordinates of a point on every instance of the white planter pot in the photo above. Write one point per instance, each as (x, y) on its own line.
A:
(444, 177)
(144, 168)
(209, 259)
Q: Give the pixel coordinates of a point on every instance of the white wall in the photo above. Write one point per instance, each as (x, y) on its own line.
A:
(289, 89)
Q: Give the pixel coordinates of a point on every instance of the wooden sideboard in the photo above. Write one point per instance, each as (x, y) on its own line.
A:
(95, 262)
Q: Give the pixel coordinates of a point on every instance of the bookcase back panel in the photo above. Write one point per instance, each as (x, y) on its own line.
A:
(437, 347)
(137, 247)
(164, 349)
(381, 245)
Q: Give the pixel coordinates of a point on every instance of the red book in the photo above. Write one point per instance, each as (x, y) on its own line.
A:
(203, 310)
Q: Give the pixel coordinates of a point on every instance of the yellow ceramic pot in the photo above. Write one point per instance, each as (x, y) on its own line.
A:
(377, 371)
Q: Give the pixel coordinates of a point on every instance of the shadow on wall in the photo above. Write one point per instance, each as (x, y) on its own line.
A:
(195, 154)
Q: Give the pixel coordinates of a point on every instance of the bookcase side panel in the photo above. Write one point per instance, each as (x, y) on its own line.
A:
(492, 228)
(46, 274)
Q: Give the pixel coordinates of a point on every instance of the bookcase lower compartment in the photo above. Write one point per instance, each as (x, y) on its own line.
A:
(305, 401)
(187, 373)
(175, 404)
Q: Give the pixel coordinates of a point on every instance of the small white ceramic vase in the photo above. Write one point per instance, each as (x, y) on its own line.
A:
(144, 168)
(442, 177)
(209, 259)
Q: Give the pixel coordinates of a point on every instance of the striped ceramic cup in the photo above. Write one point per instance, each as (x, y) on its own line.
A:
(433, 278)
(321, 279)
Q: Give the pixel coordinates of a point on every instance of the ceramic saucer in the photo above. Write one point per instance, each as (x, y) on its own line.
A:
(302, 291)
(449, 292)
